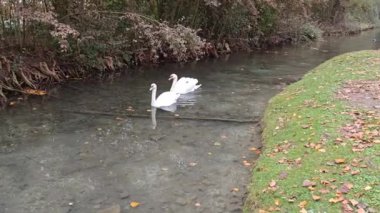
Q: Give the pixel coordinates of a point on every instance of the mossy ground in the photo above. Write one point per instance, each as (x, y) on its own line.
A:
(303, 140)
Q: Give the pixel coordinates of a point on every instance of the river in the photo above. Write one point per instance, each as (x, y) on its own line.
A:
(58, 154)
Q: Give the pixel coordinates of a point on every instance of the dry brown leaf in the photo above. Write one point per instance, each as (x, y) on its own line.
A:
(252, 149)
(34, 92)
(246, 163)
(308, 183)
(235, 190)
(336, 200)
(316, 197)
(302, 204)
(345, 188)
(340, 160)
(354, 202)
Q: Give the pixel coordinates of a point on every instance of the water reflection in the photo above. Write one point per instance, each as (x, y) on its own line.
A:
(153, 116)
(188, 99)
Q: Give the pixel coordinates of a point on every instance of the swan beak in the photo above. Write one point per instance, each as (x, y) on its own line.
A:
(170, 78)
(151, 89)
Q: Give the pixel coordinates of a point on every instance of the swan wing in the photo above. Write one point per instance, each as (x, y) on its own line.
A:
(185, 85)
(166, 99)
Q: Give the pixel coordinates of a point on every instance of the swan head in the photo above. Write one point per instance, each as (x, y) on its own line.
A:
(173, 76)
(153, 86)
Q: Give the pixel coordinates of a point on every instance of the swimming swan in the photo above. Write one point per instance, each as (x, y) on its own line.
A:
(165, 99)
(183, 85)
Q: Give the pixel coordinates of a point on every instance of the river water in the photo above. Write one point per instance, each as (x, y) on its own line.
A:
(59, 154)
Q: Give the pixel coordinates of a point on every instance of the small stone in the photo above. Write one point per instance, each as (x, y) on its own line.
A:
(181, 201)
(124, 195)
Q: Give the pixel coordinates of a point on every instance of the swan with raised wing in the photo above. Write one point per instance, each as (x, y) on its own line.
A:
(163, 100)
(183, 85)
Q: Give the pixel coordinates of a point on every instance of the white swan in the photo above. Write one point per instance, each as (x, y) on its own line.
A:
(165, 99)
(183, 85)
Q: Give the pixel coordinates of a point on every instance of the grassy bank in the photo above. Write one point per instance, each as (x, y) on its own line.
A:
(308, 162)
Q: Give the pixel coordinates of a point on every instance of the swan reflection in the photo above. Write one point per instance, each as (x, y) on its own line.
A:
(153, 111)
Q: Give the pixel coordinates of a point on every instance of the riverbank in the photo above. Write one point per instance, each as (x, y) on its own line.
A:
(321, 141)
(48, 42)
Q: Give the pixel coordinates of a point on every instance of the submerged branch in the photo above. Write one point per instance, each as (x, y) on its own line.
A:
(254, 120)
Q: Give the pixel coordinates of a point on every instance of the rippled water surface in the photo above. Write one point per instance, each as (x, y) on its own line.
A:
(59, 154)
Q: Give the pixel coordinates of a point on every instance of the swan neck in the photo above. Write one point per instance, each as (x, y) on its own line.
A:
(153, 97)
(174, 83)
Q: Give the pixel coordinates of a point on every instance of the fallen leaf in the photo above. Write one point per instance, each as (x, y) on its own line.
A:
(197, 204)
(367, 188)
(246, 163)
(252, 149)
(316, 197)
(292, 199)
(346, 207)
(134, 204)
(336, 200)
(340, 160)
(277, 202)
(346, 168)
(302, 204)
(273, 183)
(193, 164)
(308, 183)
(361, 211)
(354, 202)
(345, 188)
(35, 92)
(235, 190)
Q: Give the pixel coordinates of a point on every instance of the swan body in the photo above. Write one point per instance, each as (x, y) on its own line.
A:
(183, 85)
(163, 100)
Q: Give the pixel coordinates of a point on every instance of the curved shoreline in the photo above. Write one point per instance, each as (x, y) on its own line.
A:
(303, 167)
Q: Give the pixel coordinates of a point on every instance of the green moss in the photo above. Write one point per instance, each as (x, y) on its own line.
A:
(308, 112)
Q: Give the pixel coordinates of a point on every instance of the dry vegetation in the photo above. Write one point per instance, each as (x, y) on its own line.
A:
(51, 40)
